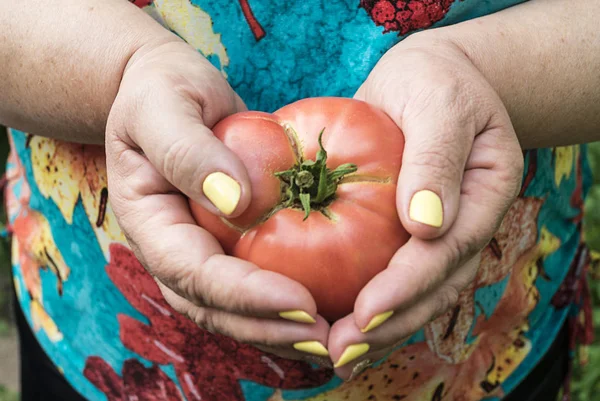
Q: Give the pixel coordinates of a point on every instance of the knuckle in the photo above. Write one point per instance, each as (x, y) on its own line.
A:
(380, 85)
(146, 245)
(241, 298)
(196, 284)
(448, 93)
(506, 161)
(190, 283)
(175, 160)
(464, 247)
(204, 318)
(507, 185)
(515, 175)
(207, 286)
(181, 164)
(447, 90)
(439, 163)
(214, 111)
(446, 298)
(160, 265)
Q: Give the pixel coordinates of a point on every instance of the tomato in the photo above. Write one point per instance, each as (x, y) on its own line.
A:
(326, 215)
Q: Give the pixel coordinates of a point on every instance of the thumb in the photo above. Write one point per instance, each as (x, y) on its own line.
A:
(435, 154)
(439, 135)
(171, 128)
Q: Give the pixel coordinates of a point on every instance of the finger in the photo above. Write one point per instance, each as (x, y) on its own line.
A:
(408, 278)
(488, 190)
(185, 257)
(285, 339)
(441, 111)
(345, 335)
(312, 356)
(439, 129)
(486, 196)
(490, 183)
(351, 354)
(171, 126)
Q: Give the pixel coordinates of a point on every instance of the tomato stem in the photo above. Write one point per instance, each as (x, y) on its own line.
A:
(310, 185)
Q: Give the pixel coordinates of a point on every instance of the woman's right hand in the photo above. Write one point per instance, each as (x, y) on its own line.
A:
(160, 151)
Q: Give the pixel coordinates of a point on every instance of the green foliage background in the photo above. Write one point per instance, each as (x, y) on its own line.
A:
(586, 386)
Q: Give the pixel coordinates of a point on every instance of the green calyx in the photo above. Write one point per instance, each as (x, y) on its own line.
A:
(310, 185)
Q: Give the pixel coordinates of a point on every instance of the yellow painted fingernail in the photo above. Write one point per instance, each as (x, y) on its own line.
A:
(378, 320)
(223, 191)
(351, 353)
(426, 207)
(312, 347)
(297, 316)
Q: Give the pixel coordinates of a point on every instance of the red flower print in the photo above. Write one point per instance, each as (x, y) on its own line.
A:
(208, 366)
(406, 16)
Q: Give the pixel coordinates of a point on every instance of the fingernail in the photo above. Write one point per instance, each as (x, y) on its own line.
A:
(426, 207)
(359, 368)
(223, 191)
(312, 347)
(377, 321)
(297, 316)
(351, 353)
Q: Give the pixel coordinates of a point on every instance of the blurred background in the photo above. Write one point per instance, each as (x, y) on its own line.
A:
(586, 386)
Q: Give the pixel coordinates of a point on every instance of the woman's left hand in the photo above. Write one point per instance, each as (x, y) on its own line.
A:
(462, 169)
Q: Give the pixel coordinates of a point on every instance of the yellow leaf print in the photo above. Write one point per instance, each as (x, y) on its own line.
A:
(549, 243)
(34, 249)
(66, 172)
(195, 26)
(94, 196)
(37, 248)
(507, 359)
(564, 161)
(57, 171)
(41, 320)
(33, 246)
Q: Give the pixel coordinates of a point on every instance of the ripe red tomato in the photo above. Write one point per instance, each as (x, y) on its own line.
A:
(323, 216)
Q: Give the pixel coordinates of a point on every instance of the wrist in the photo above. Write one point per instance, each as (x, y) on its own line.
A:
(542, 68)
(71, 99)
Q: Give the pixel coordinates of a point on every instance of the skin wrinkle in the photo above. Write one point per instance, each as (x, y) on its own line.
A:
(505, 47)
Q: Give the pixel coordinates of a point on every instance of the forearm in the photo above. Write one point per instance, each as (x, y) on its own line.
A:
(61, 63)
(543, 59)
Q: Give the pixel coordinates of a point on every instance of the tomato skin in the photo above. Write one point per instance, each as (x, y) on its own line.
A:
(333, 256)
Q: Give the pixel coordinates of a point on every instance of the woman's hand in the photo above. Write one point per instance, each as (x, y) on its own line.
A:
(160, 150)
(462, 169)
